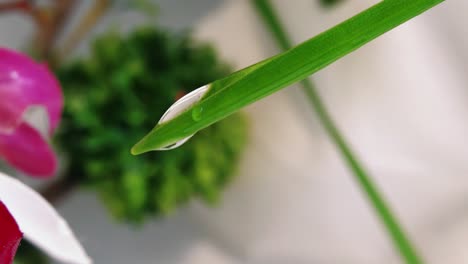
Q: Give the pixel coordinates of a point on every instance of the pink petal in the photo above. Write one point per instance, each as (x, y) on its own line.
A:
(10, 236)
(27, 151)
(25, 83)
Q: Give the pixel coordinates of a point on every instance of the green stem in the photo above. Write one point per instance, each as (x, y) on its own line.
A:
(401, 241)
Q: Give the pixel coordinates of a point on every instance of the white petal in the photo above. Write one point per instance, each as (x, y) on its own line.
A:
(40, 223)
(37, 117)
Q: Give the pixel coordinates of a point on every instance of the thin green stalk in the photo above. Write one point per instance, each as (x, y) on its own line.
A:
(401, 241)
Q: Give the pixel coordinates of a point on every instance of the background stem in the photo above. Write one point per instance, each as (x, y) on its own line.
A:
(49, 22)
(87, 22)
(400, 240)
(57, 191)
(53, 27)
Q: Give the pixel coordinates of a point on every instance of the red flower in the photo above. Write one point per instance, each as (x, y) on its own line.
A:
(10, 235)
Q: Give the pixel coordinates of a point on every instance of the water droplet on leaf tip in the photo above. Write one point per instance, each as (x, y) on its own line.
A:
(179, 107)
(197, 113)
(183, 104)
(175, 145)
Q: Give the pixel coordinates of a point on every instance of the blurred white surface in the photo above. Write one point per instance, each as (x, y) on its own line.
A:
(401, 102)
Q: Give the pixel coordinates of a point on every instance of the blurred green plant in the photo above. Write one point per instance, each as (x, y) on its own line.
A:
(29, 254)
(112, 99)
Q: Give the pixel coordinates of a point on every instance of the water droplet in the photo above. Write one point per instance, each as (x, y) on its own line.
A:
(175, 145)
(179, 107)
(197, 113)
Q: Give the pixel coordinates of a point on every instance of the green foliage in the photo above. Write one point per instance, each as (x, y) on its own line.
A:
(112, 99)
(29, 254)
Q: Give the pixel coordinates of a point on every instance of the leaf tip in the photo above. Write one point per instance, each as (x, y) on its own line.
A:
(137, 149)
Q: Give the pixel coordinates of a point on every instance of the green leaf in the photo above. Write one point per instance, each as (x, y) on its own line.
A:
(244, 87)
(396, 232)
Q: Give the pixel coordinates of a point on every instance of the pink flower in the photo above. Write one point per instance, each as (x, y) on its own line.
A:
(24, 86)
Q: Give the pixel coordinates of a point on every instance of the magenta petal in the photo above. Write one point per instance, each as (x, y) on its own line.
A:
(26, 150)
(10, 236)
(24, 83)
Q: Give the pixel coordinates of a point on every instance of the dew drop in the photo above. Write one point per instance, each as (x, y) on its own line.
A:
(179, 107)
(197, 113)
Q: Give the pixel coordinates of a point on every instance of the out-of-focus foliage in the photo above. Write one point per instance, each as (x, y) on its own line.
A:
(329, 3)
(114, 97)
(29, 254)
